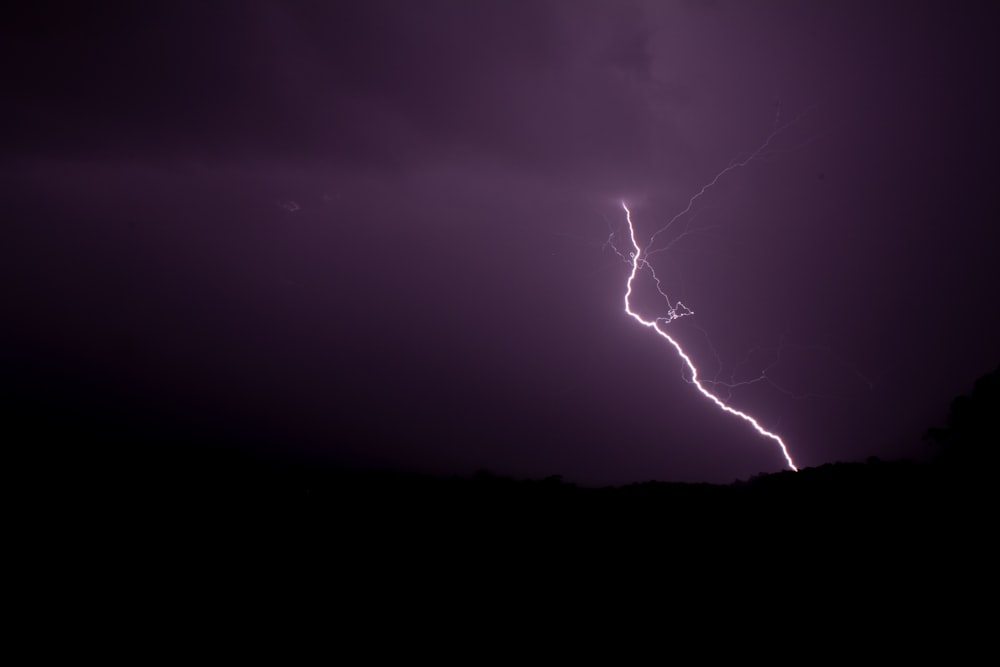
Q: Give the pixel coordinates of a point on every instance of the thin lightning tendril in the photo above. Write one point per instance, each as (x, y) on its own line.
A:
(678, 310)
(762, 151)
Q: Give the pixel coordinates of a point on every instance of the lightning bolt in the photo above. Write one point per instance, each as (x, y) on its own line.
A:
(637, 259)
(679, 310)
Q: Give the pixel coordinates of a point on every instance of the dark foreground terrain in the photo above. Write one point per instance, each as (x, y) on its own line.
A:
(155, 525)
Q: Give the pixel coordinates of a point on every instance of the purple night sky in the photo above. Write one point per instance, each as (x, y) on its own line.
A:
(372, 233)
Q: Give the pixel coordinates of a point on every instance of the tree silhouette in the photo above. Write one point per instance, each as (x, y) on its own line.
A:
(972, 434)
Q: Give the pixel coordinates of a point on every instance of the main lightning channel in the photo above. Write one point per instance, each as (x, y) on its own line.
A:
(654, 325)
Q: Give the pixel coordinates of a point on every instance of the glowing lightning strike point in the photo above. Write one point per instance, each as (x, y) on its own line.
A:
(654, 325)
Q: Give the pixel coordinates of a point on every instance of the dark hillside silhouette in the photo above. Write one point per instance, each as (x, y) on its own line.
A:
(104, 481)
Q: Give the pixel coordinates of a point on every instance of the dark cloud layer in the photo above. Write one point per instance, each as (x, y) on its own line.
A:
(386, 83)
(372, 231)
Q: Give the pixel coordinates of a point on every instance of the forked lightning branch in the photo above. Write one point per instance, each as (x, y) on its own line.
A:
(638, 259)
